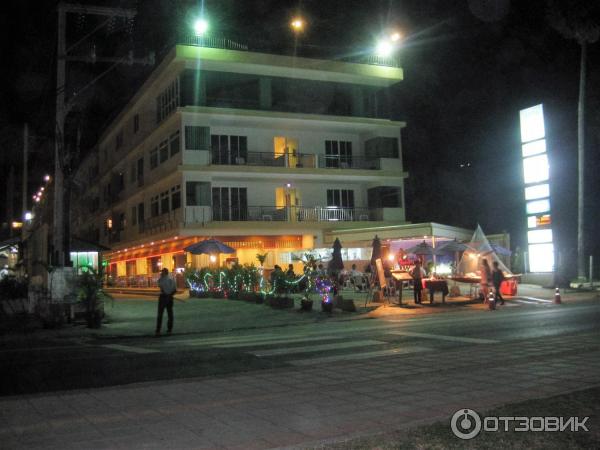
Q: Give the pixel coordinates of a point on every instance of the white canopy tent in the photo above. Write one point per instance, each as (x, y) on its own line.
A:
(479, 249)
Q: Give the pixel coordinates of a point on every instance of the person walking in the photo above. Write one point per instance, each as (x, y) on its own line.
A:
(497, 279)
(165, 300)
(417, 273)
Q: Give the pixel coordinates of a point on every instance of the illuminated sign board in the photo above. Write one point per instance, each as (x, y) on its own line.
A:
(536, 175)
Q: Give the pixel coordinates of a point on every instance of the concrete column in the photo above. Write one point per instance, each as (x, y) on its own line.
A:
(265, 94)
(358, 104)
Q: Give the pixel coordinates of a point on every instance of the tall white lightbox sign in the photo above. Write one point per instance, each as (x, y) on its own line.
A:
(536, 174)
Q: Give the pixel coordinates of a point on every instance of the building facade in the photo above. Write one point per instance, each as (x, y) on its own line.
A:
(268, 153)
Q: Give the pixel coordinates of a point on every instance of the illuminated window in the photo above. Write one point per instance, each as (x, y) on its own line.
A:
(532, 222)
(538, 206)
(534, 148)
(532, 123)
(541, 258)
(538, 191)
(536, 169)
(539, 236)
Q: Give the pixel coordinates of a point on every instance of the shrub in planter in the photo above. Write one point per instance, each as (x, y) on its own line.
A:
(327, 306)
(91, 295)
(347, 305)
(280, 302)
(306, 304)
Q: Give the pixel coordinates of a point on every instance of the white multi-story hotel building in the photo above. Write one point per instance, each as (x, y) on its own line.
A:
(268, 153)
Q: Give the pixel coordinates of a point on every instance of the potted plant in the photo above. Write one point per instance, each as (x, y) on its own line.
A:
(91, 295)
(306, 304)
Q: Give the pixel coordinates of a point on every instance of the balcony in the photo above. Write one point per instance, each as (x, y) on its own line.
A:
(203, 214)
(262, 159)
(300, 160)
(348, 162)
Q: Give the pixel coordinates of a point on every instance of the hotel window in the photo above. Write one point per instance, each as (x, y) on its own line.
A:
(340, 198)
(176, 197)
(197, 193)
(229, 149)
(154, 211)
(134, 215)
(132, 173)
(164, 202)
(140, 213)
(338, 153)
(174, 143)
(119, 140)
(197, 138)
(385, 197)
(136, 123)
(153, 158)
(229, 203)
(167, 101)
(163, 151)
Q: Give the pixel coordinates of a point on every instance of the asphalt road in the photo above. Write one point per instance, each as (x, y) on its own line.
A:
(63, 364)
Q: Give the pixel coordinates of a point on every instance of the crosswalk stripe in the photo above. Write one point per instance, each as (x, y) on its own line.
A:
(534, 299)
(279, 341)
(278, 337)
(357, 356)
(444, 337)
(130, 349)
(316, 348)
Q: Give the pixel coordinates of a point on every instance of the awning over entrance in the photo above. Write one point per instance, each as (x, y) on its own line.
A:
(404, 231)
(177, 245)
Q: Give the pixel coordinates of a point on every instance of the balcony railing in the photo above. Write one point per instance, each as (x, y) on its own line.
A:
(264, 159)
(285, 214)
(300, 160)
(348, 162)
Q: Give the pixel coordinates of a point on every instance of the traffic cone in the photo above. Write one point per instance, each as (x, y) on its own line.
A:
(557, 299)
(491, 300)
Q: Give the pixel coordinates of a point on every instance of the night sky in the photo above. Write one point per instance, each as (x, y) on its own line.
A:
(470, 66)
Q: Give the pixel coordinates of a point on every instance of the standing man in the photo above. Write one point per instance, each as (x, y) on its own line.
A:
(497, 279)
(417, 273)
(165, 300)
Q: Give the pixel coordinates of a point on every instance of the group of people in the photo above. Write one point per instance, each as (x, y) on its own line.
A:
(489, 277)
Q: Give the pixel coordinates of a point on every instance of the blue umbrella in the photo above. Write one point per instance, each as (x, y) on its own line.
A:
(209, 247)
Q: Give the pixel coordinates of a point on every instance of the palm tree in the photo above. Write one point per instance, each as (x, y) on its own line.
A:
(578, 20)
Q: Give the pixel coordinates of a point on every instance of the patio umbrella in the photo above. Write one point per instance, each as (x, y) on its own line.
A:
(423, 249)
(336, 264)
(376, 250)
(208, 247)
(452, 246)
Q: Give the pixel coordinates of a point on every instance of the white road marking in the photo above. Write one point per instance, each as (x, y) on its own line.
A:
(130, 349)
(358, 356)
(279, 341)
(444, 337)
(534, 299)
(316, 348)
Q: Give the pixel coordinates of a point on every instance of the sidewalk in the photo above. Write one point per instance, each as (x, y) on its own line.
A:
(303, 406)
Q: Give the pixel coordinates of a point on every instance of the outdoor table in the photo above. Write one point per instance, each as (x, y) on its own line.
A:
(435, 286)
(401, 276)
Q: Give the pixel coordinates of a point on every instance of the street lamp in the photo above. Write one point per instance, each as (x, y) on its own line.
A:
(297, 24)
(200, 27)
(384, 48)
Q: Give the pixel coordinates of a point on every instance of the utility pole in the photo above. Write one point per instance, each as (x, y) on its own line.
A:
(25, 156)
(61, 237)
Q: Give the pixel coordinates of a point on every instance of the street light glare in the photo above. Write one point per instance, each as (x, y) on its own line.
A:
(200, 27)
(297, 24)
(384, 48)
(395, 37)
